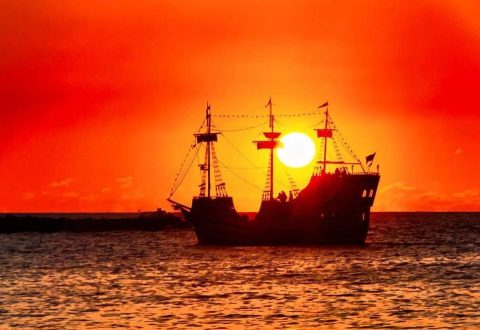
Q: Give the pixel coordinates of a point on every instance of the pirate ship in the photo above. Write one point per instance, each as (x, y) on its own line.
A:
(334, 207)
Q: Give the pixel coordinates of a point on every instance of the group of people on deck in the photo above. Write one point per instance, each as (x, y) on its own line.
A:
(282, 197)
(341, 170)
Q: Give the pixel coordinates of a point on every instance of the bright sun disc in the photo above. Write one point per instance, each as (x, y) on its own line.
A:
(298, 150)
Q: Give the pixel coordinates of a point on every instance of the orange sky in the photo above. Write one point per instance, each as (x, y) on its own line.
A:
(98, 100)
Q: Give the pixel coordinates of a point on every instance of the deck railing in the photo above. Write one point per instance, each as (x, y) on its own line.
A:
(364, 173)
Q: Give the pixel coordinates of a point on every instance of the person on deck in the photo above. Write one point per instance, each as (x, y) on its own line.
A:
(290, 196)
(282, 197)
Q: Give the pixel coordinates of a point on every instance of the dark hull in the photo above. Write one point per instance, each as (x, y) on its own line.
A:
(332, 209)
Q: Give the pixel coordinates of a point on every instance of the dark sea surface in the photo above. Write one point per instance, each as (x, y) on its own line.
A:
(417, 270)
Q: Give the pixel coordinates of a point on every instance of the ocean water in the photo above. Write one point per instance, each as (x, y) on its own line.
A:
(417, 271)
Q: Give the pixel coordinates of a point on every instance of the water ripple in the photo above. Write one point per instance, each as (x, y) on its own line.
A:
(412, 273)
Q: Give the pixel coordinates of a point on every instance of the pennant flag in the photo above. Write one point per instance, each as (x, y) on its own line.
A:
(323, 105)
(369, 159)
(208, 106)
(269, 104)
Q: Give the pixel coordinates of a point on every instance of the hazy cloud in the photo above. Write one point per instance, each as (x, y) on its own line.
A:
(469, 193)
(125, 182)
(88, 198)
(62, 183)
(28, 195)
(398, 186)
(133, 196)
(70, 194)
(399, 197)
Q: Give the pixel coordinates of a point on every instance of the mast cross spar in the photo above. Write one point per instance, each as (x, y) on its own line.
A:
(271, 144)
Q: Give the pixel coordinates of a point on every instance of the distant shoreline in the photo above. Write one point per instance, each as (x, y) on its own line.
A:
(90, 222)
(80, 215)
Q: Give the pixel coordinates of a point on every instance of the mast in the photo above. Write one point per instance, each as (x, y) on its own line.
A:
(271, 143)
(325, 133)
(209, 138)
(324, 169)
(271, 150)
(209, 129)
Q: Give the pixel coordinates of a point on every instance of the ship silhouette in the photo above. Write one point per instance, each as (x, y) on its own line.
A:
(334, 207)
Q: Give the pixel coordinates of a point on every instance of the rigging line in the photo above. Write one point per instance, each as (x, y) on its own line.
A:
(303, 114)
(239, 116)
(251, 163)
(346, 145)
(185, 174)
(301, 127)
(246, 168)
(240, 177)
(182, 164)
(250, 115)
(282, 183)
(201, 126)
(298, 114)
(240, 153)
(240, 129)
(342, 140)
(337, 150)
(291, 181)
(197, 156)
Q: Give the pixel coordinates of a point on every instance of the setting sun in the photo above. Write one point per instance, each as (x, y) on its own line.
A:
(298, 150)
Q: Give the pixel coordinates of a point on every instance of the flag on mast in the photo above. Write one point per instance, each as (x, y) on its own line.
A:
(369, 159)
(269, 104)
(323, 105)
